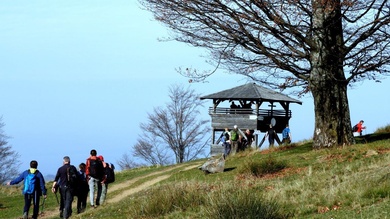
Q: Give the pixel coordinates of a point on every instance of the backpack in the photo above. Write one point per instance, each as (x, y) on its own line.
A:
(29, 183)
(110, 173)
(234, 135)
(355, 128)
(96, 169)
(226, 136)
(71, 177)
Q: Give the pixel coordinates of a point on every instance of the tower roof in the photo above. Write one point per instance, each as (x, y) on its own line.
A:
(251, 91)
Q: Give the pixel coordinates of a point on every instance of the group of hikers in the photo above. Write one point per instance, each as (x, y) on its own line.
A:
(235, 140)
(92, 176)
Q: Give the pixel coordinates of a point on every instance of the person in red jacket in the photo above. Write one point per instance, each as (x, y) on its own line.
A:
(360, 127)
(94, 172)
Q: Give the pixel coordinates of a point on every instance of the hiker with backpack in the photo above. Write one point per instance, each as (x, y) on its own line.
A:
(34, 188)
(95, 172)
(108, 177)
(247, 142)
(286, 134)
(83, 189)
(66, 181)
(234, 140)
(225, 138)
(359, 127)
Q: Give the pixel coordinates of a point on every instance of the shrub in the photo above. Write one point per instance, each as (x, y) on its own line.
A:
(262, 167)
(213, 200)
(243, 203)
(165, 199)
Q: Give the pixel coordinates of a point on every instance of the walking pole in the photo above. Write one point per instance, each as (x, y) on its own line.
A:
(43, 205)
(57, 198)
(262, 141)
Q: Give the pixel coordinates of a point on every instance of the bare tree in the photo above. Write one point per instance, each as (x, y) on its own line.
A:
(317, 46)
(9, 159)
(175, 127)
(126, 162)
(151, 151)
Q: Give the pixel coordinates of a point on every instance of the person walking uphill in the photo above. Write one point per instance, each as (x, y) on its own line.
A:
(95, 172)
(83, 189)
(286, 133)
(102, 190)
(249, 139)
(34, 188)
(360, 127)
(234, 140)
(66, 180)
(226, 142)
(271, 136)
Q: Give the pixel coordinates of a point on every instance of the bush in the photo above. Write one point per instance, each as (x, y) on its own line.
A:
(243, 203)
(263, 167)
(204, 200)
(166, 199)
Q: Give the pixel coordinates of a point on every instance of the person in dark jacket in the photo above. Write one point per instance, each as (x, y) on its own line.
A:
(83, 189)
(249, 139)
(66, 191)
(39, 189)
(271, 136)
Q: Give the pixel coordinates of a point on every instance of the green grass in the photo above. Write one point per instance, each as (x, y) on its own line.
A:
(294, 181)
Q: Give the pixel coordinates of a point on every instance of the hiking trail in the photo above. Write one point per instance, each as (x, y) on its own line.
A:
(163, 174)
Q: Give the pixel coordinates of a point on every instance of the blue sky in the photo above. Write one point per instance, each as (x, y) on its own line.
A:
(78, 75)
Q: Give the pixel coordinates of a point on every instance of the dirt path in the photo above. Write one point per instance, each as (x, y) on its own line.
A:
(164, 174)
(143, 186)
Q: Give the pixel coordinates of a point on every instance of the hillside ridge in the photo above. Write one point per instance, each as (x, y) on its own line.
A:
(126, 187)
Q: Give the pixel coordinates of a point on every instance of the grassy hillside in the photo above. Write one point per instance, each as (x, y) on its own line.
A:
(286, 182)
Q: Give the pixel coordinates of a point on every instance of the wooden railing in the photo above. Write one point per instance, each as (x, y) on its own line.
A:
(261, 112)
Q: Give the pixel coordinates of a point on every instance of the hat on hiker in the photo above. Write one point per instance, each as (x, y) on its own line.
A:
(101, 157)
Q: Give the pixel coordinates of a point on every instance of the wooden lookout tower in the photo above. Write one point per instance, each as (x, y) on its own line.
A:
(249, 106)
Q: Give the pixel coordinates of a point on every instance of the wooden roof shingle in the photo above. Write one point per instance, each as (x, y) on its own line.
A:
(251, 91)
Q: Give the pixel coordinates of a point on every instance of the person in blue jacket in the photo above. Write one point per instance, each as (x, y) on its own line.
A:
(286, 133)
(37, 190)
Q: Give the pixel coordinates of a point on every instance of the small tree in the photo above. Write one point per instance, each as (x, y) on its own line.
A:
(126, 162)
(9, 159)
(174, 128)
(151, 151)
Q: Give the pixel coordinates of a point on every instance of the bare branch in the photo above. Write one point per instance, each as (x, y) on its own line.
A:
(9, 159)
(174, 129)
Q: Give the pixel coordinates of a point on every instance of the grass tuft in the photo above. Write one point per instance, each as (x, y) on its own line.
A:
(250, 203)
(210, 200)
(259, 168)
(385, 129)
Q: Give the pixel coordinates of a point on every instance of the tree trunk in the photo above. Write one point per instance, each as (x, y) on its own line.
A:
(327, 80)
